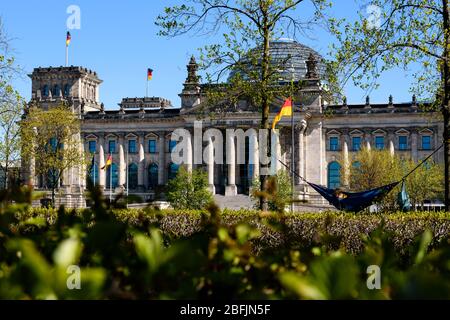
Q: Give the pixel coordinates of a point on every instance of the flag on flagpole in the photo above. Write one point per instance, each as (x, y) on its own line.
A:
(149, 74)
(286, 110)
(108, 162)
(92, 164)
(68, 38)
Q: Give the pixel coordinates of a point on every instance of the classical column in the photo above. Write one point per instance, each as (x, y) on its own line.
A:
(210, 163)
(141, 165)
(230, 189)
(101, 173)
(414, 145)
(162, 157)
(301, 152)
(391, 147)
(254, 155)
(188, 157)
(32, 181)
(346, 164)
(122, 164)
(276, 156)
(368, 147)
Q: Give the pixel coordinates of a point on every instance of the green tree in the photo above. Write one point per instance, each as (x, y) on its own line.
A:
(10, 116)
(10, 109)
(8, 69)
(52, 139)
(407, 33)
(189, 190)
(279, 191)
(373, 168)
(248, 28)
(426, 183)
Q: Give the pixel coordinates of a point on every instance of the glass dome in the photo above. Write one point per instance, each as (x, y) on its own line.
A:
(291, 57)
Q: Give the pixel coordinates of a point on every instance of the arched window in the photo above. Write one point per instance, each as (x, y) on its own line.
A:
(132, 176)
(334, 175)
(114, 178)
(67, 90)
(153, 175)
(56, 90)
(94, 175)
(45, 91)
(173, 169)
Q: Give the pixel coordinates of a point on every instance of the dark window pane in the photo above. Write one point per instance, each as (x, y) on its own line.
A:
(133, 176)
(426, 142)
(132, 146)
(334, 175)
(152, 146)
(172, 145)
(112, 146)
(379, 143)
(334, 143)
(356, 143)
(403, 142)
(153, 175)
(92, 146)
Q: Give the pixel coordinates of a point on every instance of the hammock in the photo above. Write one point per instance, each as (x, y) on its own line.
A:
(353, 201)
(357, 201)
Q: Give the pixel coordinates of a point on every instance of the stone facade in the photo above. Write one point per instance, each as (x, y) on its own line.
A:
(138, 135)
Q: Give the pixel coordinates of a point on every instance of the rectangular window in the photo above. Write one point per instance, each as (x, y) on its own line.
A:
(151, 146)
(426, 143)
(334, 143)
(92, 146)
(172, 145)
(131, 146)
(379, 142)
(403, 143)
(356, 143)
(112, 146)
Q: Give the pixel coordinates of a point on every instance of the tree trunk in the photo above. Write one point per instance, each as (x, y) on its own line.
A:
(447, 156)
(446, 103)
(265, 105)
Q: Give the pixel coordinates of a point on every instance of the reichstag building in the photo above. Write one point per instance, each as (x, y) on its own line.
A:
(137, 135)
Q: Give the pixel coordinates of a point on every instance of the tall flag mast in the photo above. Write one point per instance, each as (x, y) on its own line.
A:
(68, 38)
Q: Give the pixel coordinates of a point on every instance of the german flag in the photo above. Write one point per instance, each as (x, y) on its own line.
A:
(286, 110)
(149, 74)
(108, 163)
(68, 38)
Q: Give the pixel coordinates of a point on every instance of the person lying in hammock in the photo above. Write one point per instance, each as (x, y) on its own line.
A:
(339, 193)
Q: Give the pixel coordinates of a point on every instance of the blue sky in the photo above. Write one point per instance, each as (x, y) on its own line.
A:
(118, 39)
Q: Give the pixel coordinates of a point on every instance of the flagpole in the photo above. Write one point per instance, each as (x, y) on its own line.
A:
(292, 144)
(110, 184)
(67, 55)
(127, 177)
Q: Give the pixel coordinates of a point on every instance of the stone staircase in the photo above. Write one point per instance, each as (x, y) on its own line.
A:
(244, 202)
(233, 202)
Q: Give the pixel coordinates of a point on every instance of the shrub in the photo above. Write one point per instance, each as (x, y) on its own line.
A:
(279, 191)
(189, 190)
(209, 254)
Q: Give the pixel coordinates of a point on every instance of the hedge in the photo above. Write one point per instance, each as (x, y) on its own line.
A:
(301, 229)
